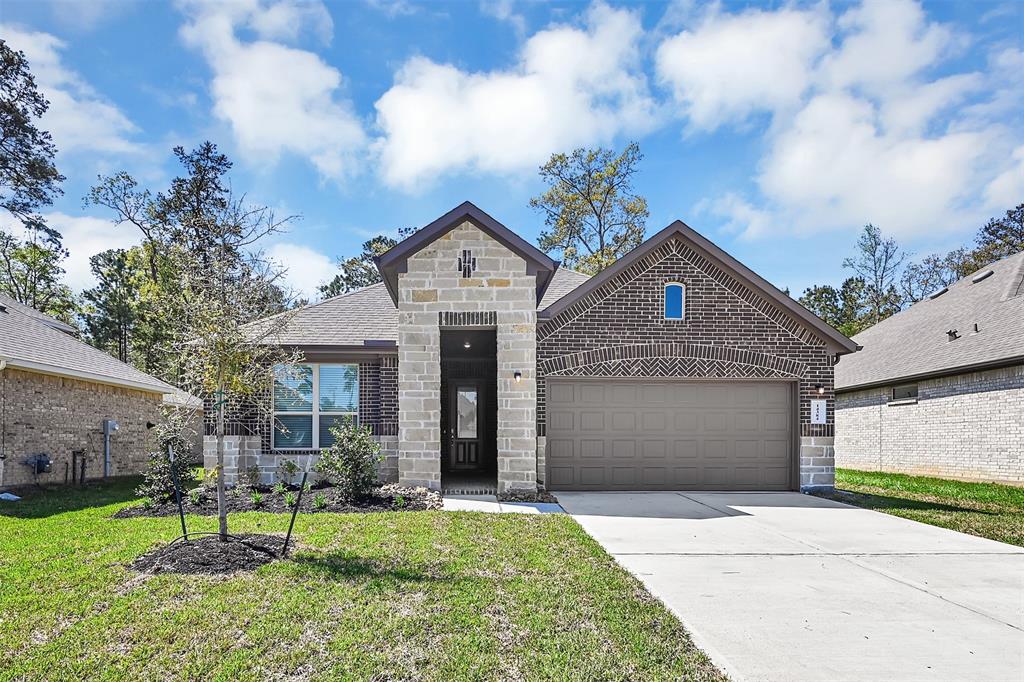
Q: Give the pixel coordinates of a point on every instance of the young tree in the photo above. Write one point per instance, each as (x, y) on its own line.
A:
(878, 261)
(223, 284)
(29, 179)
(592, 214)
(844, 308)
(31, 273)
(113, 304)
(1000, 237)
(360, 271)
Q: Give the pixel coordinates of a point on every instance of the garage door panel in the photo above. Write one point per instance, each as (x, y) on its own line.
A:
(630, 434)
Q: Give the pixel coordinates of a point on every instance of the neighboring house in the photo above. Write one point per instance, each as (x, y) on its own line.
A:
(479, 363)
(56, 392)
(938, 389)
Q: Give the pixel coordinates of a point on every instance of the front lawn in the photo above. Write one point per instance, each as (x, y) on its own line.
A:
(385, 596)
(986, 509)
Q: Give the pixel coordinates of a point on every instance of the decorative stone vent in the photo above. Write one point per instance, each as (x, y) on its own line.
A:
(467, 264)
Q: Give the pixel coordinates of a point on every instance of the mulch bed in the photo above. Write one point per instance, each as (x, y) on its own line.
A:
(386, 498)
(521, 496)
(207, 554)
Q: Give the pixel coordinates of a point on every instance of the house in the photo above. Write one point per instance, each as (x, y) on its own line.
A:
(56, 392)
(938, 389)
(479, 363)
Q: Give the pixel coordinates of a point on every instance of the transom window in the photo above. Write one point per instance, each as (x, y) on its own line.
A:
(311, 398)
(675, 301)
(904, 392)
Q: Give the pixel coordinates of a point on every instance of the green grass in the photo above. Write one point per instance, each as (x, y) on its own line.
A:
(410, 595)
(989, 510)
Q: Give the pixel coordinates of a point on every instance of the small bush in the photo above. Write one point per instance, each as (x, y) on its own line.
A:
(399, 501)
(256, 498)
(286, 471)
(351, 463)
(195, 496)
(289, 498)
(320, 501)
(210, 478)
(252, 476)
(147, 503)
(172, 430)
(279, 488)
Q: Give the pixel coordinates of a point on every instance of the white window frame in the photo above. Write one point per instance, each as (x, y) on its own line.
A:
(317, 412)
(664, 302)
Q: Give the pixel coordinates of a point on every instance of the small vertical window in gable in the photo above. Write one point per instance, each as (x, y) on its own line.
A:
(675, 301)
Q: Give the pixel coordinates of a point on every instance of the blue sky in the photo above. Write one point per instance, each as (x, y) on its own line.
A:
(776, 129)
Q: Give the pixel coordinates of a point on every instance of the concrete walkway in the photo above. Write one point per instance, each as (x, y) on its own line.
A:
(782, 586)
(490, 504)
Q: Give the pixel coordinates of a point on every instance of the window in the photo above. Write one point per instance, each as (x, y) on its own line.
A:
(309, 399)
(675, 300)
(904, 392)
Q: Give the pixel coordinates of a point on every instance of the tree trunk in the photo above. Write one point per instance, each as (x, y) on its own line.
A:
(222, 507)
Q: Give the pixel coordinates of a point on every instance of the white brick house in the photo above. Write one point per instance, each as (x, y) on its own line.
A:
(938, 389)
(479, 363)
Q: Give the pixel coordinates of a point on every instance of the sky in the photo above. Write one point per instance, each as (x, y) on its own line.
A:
(777, 130)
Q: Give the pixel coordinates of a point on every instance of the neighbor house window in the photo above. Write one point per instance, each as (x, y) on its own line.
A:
(904, 392)
(309, 399)
(675, 301)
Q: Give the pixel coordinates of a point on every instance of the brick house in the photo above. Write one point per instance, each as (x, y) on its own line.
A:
(938, 389)
(56, 392)
(480, 364)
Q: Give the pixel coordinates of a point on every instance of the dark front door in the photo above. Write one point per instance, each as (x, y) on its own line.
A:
(465, 427)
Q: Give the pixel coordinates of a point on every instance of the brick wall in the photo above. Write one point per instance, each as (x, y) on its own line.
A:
(968, 426)
(729, 331)
(40, 413)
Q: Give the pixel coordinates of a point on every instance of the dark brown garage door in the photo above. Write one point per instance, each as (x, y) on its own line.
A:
(624, 434)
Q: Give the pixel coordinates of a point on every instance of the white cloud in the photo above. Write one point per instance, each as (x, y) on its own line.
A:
(277, 99)
(306, 268)
(571, 86)
(504, 10)
(861, 128)
(79, 119)
(731, 66)
(84, 237)
(1007, 189)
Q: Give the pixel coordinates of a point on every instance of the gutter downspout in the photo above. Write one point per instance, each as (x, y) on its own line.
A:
(3, 420)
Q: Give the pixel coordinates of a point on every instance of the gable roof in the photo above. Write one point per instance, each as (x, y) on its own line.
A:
(30, 343)
(9, 302)
(395, 260)
(913, 344)
(681, 230)
(367, 318)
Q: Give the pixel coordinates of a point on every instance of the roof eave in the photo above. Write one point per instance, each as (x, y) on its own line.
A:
(934, 374)
(54, 370)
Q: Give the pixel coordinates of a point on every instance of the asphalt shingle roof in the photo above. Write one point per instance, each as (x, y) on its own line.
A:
(369, 315)
(914, 342)
(9, 302)
(31, 343)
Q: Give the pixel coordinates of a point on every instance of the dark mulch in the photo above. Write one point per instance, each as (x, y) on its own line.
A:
(386, 498)
(209, 554)
(523, 496)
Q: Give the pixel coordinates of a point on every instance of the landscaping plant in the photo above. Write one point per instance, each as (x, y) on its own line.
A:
(256, 498)
(351, 462)
(158, 479)
(289, 498)
(320, 501)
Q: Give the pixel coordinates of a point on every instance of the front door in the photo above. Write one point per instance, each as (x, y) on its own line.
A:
(465, 437)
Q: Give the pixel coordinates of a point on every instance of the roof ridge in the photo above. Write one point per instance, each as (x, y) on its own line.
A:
(318, 303)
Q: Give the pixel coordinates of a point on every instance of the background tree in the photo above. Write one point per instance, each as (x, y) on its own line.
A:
(843, 308)
(933, 273)
(31, 273)
(112, 306)
(29, 179)
(360, 271)
(592, 214)
(1000, 237)
(878, 261)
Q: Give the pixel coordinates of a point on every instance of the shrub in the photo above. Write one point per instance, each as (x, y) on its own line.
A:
(157, 480)
(289, 498)
(279, 488)
(256, 498)
(210, 479)
(320, 501)
(252, 476)
(195, 495)
(351, 463)
(286, 471)
(399, 501)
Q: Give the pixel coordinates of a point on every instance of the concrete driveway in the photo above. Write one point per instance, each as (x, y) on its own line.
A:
(782, 586)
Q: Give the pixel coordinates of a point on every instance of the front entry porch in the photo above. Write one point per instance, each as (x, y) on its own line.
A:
(469, 411)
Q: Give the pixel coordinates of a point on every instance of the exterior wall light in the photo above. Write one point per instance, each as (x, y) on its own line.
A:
(820, 389)
(518, 376)
(467, 345)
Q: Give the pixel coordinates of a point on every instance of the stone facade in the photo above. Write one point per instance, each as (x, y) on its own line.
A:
(967, 426)
(433, 288)
(729, 332)
(41, 413)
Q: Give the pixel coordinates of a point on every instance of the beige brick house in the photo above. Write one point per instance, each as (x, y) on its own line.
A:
(55, 394)
(938, 389)
(480, 364)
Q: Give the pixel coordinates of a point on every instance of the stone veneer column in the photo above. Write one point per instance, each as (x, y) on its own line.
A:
(817, 462)
(432, 285)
